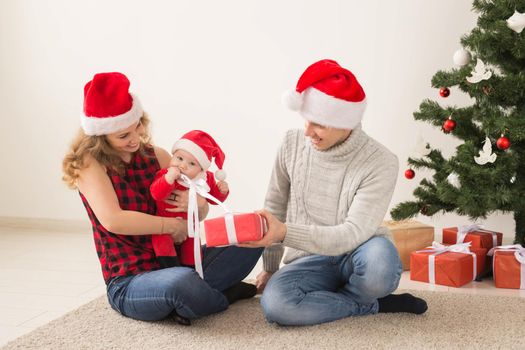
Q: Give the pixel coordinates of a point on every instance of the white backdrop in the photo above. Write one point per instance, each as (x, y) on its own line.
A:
(220, 66)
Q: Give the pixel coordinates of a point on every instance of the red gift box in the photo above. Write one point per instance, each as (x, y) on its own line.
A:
(234, 228)
(480, 238)
(509, 267)
(451, 268)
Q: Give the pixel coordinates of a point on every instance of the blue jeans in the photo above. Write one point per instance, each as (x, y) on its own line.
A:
(317, 289)
(154, 295)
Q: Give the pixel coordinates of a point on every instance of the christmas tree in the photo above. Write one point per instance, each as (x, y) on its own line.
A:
(487, 172)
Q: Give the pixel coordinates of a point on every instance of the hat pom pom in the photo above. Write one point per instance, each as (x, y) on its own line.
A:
(293, 100)
(220, 175)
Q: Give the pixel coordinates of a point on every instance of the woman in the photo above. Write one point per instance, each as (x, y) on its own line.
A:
(112, 164)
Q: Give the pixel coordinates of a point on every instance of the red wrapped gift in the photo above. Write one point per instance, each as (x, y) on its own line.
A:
(479, 237)
(231, 229)
(509, 266)
(453, 265)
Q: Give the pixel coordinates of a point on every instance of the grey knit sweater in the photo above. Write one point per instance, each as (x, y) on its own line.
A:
(331, 201)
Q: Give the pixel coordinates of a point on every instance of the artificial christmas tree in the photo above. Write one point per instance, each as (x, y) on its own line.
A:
(487, 172)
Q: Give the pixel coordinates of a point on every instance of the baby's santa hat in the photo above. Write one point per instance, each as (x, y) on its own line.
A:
(108, 105)
(203, 147)
(329, 95)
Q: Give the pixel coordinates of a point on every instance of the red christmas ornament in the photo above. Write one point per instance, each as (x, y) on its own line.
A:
(503, 143)
(444, 92)
(449, 125)
(409, 174)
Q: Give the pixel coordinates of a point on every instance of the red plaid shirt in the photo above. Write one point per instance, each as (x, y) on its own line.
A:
(122, 255)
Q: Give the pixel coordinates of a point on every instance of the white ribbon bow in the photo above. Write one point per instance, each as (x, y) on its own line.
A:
(200, 187)
(465, 229)
(519, 254)
(438, 248)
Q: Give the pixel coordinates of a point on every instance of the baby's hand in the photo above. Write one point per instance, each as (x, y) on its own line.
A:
(223, 187)
(172, 174)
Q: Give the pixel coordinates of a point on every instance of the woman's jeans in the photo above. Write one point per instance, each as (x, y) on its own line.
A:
(316, 289)
(154, 295)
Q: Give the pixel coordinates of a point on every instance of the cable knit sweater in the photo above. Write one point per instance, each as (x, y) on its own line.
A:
(331, 201)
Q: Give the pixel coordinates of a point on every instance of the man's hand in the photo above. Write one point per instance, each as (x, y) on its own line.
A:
(275, 234)
(262, 279)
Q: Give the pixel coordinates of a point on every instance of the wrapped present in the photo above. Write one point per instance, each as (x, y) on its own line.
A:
(509, 266)
(409, 236)
(231, 229)
(453, 265)
(479, 237)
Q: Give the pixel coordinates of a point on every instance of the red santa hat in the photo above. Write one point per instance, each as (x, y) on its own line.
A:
(108, 105)
(329, 95)
(203, 147)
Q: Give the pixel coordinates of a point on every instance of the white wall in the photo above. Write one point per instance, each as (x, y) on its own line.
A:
(216, 65)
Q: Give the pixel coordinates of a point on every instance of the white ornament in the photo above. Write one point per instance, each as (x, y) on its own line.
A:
(516, 22)
(486, 155)
(513, 179)
(479, 73)
(421, 149)
(461, 57)
(453, 179)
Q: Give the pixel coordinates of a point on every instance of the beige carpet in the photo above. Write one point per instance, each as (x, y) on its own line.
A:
(453, 321)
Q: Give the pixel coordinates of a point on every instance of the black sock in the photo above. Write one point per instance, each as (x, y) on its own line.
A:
(180, 319)
(402, 303)
(168, 261)
(239, 291)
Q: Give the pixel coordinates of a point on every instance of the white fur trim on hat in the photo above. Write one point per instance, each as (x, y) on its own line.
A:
(194, 149)
(109, 125)
(327, 110)
(292, 99)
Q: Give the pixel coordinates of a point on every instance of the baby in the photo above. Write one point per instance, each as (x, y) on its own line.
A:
(192, 156)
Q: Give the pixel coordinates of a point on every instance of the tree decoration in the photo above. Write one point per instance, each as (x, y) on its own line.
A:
(479, 73)
(503, 143)
(453, 179)
(444, 92)
(409, 174)
(449, 125)
(421, 149)
(516, 22)
(486, 155)
(461, 57)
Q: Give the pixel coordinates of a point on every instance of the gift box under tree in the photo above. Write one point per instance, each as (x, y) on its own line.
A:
(409, 236)
(232, 229)
(479, 237)
(509, 266)
(454, 265)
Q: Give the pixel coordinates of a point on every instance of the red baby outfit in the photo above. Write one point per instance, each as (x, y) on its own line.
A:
(163, 243)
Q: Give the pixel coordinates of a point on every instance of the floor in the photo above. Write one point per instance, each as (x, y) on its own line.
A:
(46, 274)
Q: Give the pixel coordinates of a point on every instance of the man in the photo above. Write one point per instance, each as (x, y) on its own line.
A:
(328, 194)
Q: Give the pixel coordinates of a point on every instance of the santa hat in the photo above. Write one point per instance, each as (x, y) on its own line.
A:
(108, 105)
(329, 95)
(203, 147)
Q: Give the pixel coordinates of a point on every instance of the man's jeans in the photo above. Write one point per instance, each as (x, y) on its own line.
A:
(316, 289)
(154, 295)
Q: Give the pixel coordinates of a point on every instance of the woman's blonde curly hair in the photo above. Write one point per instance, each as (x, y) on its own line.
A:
(99, 149)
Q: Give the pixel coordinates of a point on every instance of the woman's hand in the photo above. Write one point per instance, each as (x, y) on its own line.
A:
(178, 229)
(180, 202)
(262, 279)
(275, 234)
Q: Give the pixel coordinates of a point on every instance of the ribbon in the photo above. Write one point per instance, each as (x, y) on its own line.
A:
(463, 230)
(200, 187)
(519, 254)
(438, 248)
